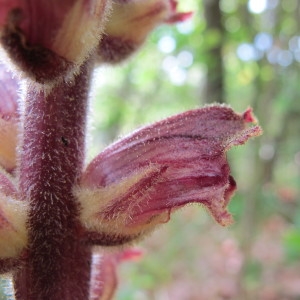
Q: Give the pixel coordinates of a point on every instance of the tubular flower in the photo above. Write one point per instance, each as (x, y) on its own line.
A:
(136, 183)
(131, 22)
(48, 38)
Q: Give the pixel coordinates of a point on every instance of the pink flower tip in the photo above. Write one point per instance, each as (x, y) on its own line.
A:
(179, 17)
(131, 254)
(176, 16)
(249, 117)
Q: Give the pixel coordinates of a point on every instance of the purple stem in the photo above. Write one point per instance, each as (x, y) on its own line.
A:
(57, 264)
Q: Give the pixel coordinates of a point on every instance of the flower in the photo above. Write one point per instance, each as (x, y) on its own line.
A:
(130, 23)
(136, 183)
(48, 39)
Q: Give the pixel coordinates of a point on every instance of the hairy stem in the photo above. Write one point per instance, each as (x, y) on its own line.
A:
(57, 261)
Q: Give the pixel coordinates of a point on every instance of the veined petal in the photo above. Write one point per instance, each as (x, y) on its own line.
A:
(47, 38)
(137, 182)
(131, 22)
(13, 235)
(9, 118)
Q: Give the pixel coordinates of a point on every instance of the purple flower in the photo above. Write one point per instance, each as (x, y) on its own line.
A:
(136, 183)
(52, 38)
(130, 23)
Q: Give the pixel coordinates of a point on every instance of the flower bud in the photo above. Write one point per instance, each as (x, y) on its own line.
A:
(130, 23)
(47, 39)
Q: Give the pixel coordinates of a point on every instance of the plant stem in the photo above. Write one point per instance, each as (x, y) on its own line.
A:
(57, 264)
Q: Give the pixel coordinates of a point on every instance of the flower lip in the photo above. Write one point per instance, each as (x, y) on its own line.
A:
(217, 210)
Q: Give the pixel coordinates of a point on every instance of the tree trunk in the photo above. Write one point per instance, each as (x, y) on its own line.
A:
(214, 86)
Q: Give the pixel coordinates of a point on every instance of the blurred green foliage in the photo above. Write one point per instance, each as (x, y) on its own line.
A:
(292, 244)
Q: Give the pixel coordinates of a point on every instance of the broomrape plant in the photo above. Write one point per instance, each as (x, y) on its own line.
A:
(57, 215)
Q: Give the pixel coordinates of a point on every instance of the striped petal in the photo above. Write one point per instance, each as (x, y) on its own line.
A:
(137, 182)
